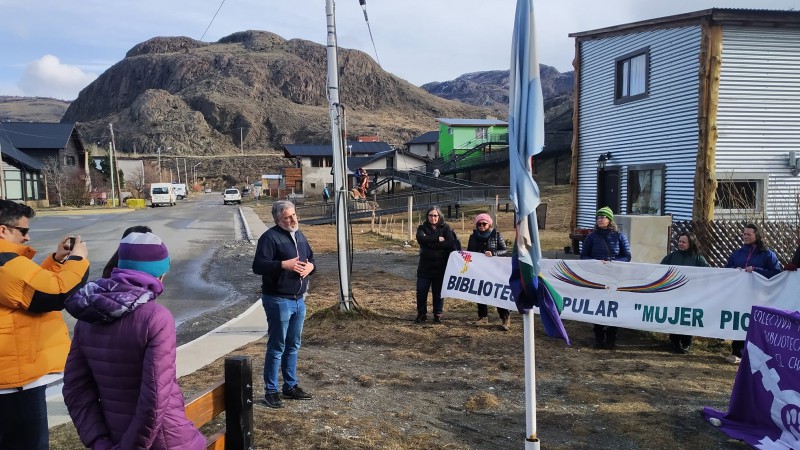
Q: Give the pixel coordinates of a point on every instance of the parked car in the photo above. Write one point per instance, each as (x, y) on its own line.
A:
(231, 196)
(162, 194)
(208, 190)
(245, 192)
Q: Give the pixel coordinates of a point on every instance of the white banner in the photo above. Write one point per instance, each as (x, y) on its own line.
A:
(698, 301)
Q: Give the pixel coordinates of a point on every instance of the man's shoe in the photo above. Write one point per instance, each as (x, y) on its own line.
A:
(421, 318)
(481, 321)
(273, 400)
(437, 318)
(506, 323)
(297, 393)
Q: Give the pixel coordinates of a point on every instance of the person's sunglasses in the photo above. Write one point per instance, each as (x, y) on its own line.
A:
(433, 215)
(22, 230)
(483, 224)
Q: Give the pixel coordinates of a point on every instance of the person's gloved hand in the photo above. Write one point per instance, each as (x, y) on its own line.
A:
(791, 267)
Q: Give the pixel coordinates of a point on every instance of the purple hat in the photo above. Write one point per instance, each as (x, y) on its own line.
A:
(144, 252)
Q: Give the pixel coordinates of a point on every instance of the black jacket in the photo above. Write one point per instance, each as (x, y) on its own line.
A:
(275, 246)
(432, 253)
(494, 243)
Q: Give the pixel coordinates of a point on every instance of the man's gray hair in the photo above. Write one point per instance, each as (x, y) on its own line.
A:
(279, 207)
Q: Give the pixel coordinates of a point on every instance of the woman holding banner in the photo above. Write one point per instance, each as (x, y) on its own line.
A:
(606, 243)
(488, 240)
(686, 255)
(753, 256)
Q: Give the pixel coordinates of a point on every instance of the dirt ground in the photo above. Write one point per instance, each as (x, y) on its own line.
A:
(381, 381)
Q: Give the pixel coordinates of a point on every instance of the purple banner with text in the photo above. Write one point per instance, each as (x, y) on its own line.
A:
(764, 410)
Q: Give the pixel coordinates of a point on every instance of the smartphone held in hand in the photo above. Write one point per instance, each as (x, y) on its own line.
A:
(70, 243)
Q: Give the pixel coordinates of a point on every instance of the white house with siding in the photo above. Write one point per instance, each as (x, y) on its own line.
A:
(682, 111)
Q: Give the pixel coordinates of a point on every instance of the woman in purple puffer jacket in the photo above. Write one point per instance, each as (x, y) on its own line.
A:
(119, 381)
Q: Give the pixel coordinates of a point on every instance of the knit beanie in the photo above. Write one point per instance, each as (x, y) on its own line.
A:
(605, 211)
(483, 217)
(144, 252)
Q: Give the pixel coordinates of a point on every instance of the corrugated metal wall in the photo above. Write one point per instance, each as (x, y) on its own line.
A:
(659, 129)
(759, 111)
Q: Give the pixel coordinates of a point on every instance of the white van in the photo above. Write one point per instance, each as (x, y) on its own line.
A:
(180, 190)
(162, 194)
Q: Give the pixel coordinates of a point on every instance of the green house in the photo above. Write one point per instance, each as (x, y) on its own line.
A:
(457, 136)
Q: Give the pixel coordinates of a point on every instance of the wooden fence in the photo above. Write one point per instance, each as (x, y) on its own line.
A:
(717, 239)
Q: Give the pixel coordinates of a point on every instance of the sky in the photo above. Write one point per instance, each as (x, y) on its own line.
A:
(54, 48)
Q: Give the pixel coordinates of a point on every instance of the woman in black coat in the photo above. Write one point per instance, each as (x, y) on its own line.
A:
(436, 240)
(487, 240)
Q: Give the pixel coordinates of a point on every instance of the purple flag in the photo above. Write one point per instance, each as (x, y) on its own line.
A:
(764, 409)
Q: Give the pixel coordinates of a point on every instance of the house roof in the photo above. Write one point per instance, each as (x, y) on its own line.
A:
(431, 137)
(730, 16)
(361, 161)
(470, 122)
(7, 149)
(298, 150)
(37, 135)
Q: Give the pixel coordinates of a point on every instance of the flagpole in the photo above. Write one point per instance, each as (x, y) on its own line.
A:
(531, 441)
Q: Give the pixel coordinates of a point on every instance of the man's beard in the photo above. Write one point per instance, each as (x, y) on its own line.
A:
(291, 228)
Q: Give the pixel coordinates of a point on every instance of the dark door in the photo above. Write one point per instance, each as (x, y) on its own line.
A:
(608, 189)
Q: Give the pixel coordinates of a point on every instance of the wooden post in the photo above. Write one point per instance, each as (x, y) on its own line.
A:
(573, 175)
(705, 178)
(410, 218)
(238, 403)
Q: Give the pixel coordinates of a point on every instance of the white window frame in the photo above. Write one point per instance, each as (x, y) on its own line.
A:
(760, 179)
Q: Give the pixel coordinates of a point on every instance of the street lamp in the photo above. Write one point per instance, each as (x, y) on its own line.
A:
(194, 171)
(160, 176)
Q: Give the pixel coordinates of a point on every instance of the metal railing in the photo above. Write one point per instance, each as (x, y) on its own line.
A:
(390, 204)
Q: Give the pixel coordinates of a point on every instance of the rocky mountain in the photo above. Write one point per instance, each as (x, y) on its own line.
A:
(253, 89)
(490, 88)
(31, 109)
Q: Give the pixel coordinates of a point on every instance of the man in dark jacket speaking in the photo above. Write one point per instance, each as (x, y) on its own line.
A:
(284, 260)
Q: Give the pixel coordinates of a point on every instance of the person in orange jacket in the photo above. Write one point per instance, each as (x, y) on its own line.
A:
(34, 340)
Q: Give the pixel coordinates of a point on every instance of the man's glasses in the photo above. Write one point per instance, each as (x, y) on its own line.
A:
(23, 231)
(483, 224)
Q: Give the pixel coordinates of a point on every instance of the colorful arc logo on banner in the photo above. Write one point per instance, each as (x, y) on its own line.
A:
(672, 279)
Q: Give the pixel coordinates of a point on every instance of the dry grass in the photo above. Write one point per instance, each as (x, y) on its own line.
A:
(380, 381)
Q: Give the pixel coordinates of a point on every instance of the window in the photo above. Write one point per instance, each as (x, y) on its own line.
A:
(321, 161)
(481, 133)
(69, 160)
(738, 195)
(646, 190)
(632, 76)
(313, 185)
(12, 177)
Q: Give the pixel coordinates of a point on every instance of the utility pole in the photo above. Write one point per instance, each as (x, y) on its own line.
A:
(241, 139)
(114, 166)
(111, 169)
(343, 237)
(160, 178)
(2, 179)
(178, 169)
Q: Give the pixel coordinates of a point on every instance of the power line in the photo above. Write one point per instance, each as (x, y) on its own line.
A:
(212, 20)
(363, 4)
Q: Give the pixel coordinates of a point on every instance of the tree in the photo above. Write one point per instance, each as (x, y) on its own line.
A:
(56, 178)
